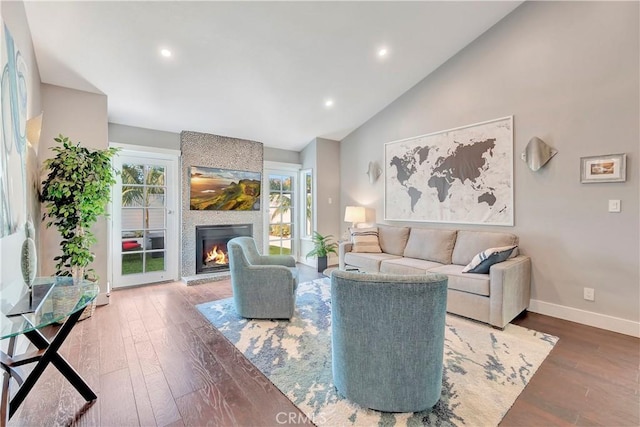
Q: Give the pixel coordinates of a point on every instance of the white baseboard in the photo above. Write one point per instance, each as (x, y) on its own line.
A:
(311, 262)
(589, 318)
(103, 298)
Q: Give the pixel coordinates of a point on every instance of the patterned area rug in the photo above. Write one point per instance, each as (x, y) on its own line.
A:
(484, 369)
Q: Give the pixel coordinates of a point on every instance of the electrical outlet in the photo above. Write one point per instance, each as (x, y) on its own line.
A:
(589, 294)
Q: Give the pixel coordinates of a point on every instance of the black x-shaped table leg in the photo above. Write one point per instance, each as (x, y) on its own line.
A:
(51, 355)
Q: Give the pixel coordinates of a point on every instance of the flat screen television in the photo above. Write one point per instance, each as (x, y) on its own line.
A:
(214, 189)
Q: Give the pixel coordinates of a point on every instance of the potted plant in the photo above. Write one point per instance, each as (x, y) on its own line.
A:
(75, 193)
(322, 247)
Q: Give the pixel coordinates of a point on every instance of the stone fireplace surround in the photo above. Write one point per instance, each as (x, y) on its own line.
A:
(207, 150)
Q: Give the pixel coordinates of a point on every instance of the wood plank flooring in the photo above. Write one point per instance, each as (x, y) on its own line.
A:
(154, 360)
(590, 378)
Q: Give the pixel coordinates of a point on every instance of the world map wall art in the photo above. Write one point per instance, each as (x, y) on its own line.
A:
(462, 175)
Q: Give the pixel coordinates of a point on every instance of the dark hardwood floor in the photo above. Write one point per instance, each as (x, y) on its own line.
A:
(154, 360)
(590, 378)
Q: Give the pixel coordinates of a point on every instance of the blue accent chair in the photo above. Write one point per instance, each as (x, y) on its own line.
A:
(387, 337)
(264, 287)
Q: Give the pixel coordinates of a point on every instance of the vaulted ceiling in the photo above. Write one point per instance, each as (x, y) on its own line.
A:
(264, 71)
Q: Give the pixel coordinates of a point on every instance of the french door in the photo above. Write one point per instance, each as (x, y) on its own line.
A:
(144, 219)
(282, 213)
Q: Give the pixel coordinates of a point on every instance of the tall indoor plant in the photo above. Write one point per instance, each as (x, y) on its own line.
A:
(75, 193)
(322, 247)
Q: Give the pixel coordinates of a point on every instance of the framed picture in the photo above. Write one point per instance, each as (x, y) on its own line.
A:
(462, 175)
(607, 168)
(214, 189)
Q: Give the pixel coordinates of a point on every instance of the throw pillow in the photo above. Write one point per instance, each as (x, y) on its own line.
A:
(365, 240)
(485, 259)
(129, 245)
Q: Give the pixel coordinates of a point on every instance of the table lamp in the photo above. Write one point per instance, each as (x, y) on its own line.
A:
(354, 215)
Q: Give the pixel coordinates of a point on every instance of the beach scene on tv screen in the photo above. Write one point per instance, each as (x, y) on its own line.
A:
(224, 189)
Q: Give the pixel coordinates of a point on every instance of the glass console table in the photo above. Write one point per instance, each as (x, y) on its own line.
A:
(55, 300)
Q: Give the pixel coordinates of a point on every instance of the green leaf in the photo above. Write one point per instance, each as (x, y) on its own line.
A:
(75, 193)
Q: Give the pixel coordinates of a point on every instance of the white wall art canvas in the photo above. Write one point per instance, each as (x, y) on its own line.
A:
(13, 96)
(462, 175)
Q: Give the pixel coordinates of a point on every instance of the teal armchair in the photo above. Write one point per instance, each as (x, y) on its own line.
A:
(387, 337)
(264, 287)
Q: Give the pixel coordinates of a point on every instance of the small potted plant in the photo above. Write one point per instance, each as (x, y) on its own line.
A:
(322, 247)
(75, 193)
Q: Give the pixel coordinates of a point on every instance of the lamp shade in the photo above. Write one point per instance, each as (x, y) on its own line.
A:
(354, 214)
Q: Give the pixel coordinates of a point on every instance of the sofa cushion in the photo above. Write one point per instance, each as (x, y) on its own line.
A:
(393, 239)
(470, 243)
(482, 262)
(467, 282)
(130, 245)
(431, 244)
(407, 266)
(365, 240)
(367, 262)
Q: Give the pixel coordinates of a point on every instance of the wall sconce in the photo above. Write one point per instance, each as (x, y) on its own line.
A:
(374, 172)
(34, 128)
(537, 153)
(354, 215)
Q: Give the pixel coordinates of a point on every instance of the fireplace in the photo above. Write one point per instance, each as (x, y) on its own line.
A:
(211, 245)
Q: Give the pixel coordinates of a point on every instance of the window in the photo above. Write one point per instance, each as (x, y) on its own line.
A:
(307, 203)
(281, 213)
(143, 218)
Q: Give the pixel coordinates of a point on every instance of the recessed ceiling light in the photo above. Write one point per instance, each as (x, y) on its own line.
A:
(165, 52)
(383, 52)
(328, 103)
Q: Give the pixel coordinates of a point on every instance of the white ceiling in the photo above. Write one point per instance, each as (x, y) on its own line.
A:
(254, 70)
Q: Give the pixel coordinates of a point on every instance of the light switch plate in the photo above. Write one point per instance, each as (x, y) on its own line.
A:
(614, 205)
(589, 294)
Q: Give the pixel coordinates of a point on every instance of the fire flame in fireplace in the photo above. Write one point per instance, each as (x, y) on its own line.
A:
(217, 256)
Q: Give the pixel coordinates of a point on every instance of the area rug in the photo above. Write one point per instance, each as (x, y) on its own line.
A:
(484, 369)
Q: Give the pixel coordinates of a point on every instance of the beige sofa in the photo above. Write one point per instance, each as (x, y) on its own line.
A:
(494, 298)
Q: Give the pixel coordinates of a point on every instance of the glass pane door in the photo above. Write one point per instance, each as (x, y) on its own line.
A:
(143, 214)
(281, 214)
(143, 222)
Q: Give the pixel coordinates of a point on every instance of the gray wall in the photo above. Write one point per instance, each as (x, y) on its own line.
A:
(202, 149)
(321, 155)
(569, 73)
(279, 155)
(14, 17)
(328, 187)
(132, 135)
(82, 116)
